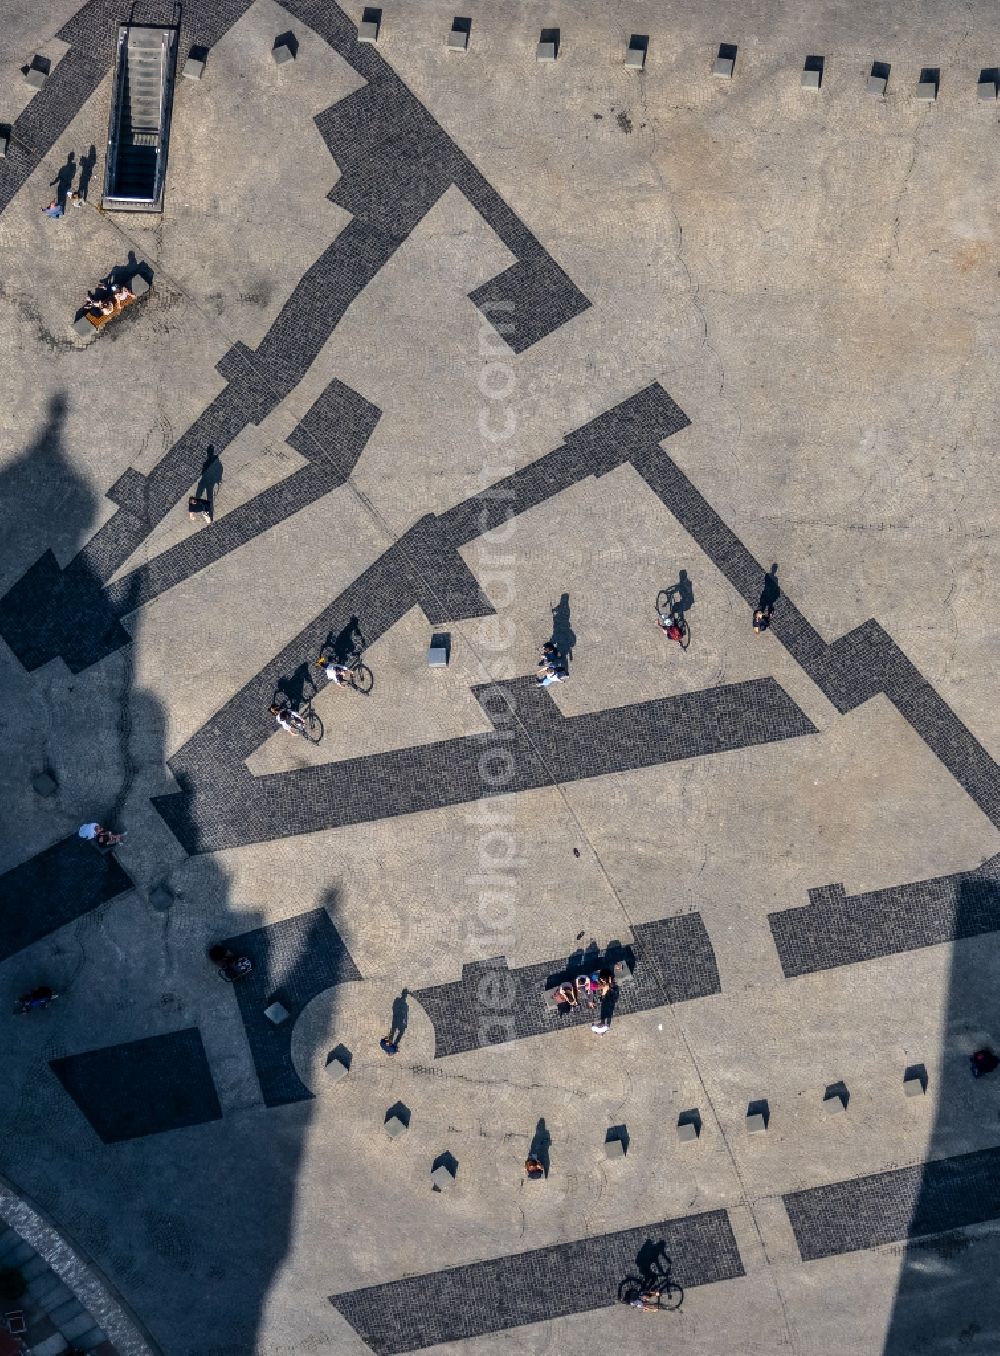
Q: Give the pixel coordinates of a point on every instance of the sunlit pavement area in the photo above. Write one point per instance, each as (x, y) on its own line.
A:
(494, 349)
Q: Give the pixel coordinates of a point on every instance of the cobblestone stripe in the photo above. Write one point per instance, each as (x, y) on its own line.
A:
(836, 928)
(227, 807)
(533, 1287)
(864, 1212)
(51, 889)
(671, 961)
(858, 666)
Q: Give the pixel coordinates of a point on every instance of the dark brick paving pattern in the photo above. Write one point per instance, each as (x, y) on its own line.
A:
(293, 961)
(836, 928)
(142, 1087)
(670, 961)
(53, 888)
(545, 747)
(535, 1286)
(395, 163)
(946, 1193)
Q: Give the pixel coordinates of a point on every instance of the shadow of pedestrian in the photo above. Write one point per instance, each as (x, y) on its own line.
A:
(541, 1142)
(87, 164)
(63, 181)
(563, 635)
(771, 591)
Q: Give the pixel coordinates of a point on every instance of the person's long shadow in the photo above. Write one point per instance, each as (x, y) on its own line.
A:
(771, 591)
(63, 181)
(541, 1143)
(295, 684)
(681, 594)
(87, 164)
(400, 1017)
(210, 479)
(652, 1261)
(346, 644)
(563, 635)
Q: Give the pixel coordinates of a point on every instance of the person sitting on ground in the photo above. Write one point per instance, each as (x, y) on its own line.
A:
(566, 993)
(534, 1168)
(585, 990)
(550, 655)
(761, 619)
(230, 965)
(603, 981)
(285, 716)
(121, 293)
(96, 833)
(556, 673)
(37, 998)
(983, 1062)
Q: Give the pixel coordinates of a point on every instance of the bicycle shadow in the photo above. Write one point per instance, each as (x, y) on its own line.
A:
(346, 644)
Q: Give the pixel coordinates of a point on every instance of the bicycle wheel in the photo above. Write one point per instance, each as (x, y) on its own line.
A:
(671, 1297)
(686, 637)
(362, 679)
(663, 604)
(312, 726)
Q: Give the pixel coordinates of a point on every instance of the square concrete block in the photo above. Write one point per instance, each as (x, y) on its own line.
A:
(723, 68)
(614, 1148)
(139, 285)
(876, 86)
(927, 91)
(43, 782)
(282, 52)
(396, 1126)
(545, 51)
(458, 40)
(987, 89)
(756, 1123)
(810, 79)
(914, 1085)
(276, 1013)
(4, 143)
(194, 68)
(368, 31)
(437, 655)
(336, 1069)
(686, 1131)
(442, 1177)
(833, 1103)
(83, 327)
(635, 58)
(35, 77)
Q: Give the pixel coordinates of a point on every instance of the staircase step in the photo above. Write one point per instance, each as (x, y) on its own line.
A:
(64, 1313)
(48, 1291)
(77, 1327)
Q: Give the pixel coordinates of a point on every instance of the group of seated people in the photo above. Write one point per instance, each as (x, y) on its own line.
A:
(108, 297)
(587, 989)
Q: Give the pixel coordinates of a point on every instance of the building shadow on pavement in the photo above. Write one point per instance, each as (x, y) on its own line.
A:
(138, 1118)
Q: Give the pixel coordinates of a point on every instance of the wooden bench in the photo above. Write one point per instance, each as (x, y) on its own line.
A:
(99, 321)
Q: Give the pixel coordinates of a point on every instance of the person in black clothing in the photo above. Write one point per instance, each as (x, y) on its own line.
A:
(230, 966)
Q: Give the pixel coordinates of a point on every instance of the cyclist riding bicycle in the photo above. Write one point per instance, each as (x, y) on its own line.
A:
(288, 719)
(337, 673)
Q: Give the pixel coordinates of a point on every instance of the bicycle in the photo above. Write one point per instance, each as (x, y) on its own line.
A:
(304, 722)
(667, 615)
(659, 1292)
(356, 675)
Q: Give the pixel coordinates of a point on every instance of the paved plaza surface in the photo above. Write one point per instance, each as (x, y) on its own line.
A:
(471, 345)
